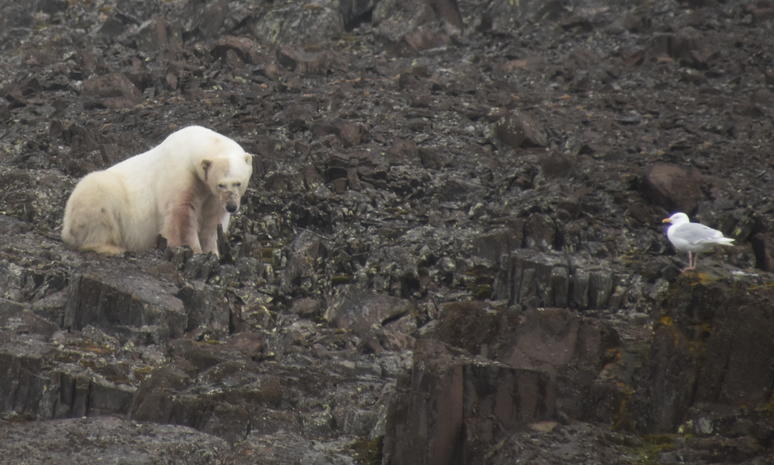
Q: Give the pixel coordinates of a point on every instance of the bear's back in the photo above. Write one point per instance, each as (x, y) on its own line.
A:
(196, 143)
(180, 152)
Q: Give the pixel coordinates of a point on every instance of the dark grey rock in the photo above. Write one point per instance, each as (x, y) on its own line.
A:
(469, 174)
(284, 23)
(381, 321)
(107, 440)
(520, 131)
(207, 309)
(536, 279)
(157, 35)
(72, 378)
(411, 27)
(306, 255)
(137, 307)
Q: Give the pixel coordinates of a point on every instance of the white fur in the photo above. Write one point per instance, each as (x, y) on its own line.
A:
(179, 189)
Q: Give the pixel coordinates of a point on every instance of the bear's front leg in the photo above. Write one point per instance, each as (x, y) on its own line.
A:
(210, 243)
(208, 234)
(181, 227)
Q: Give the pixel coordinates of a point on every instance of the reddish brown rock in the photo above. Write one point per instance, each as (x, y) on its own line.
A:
(113, 90)
(673, 187)
(763, 247)
(451, 408)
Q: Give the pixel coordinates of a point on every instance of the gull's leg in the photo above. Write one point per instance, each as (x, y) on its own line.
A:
(690, 262)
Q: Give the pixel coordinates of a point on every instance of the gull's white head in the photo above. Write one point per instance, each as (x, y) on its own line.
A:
(677, 218)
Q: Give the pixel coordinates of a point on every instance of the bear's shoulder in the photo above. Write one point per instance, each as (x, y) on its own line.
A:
(197, 143)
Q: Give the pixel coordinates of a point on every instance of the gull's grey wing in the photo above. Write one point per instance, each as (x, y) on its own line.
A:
(696, 233)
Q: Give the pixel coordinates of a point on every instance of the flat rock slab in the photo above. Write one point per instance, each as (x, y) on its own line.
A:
(106, 440)
(127, 301)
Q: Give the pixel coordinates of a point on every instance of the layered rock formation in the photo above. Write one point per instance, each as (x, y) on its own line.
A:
(451, 251)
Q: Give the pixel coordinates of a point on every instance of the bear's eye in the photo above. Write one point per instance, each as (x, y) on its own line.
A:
(221, 186)
(237, 184)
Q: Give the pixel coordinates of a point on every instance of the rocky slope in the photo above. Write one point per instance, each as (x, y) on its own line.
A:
(451, 251)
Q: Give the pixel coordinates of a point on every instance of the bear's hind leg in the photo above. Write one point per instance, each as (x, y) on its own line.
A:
(97, 231)
(91, 216)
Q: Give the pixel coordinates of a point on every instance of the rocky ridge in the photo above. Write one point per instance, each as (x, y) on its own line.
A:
(450, 251)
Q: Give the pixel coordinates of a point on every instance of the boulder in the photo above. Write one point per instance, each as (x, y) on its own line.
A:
(673, 187)
(113, 90)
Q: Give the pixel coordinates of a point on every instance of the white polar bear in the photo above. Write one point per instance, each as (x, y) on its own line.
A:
(182, 189)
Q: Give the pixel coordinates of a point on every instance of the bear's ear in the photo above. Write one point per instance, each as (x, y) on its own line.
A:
(249, 158)
(205, 167)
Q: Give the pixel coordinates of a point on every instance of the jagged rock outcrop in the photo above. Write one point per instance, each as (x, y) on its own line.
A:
(450, 252)
(534, 279)
(709, 337)
(452, 407)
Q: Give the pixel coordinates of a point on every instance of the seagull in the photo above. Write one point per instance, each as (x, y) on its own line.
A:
(693, 237)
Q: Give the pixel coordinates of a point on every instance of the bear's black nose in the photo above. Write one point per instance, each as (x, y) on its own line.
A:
(231, 207)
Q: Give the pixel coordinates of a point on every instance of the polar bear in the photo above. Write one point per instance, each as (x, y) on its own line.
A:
(182, 189)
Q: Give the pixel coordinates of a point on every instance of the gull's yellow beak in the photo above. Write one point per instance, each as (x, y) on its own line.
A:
(666, 220)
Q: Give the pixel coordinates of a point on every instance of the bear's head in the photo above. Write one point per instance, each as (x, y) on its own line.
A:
(227, 178)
